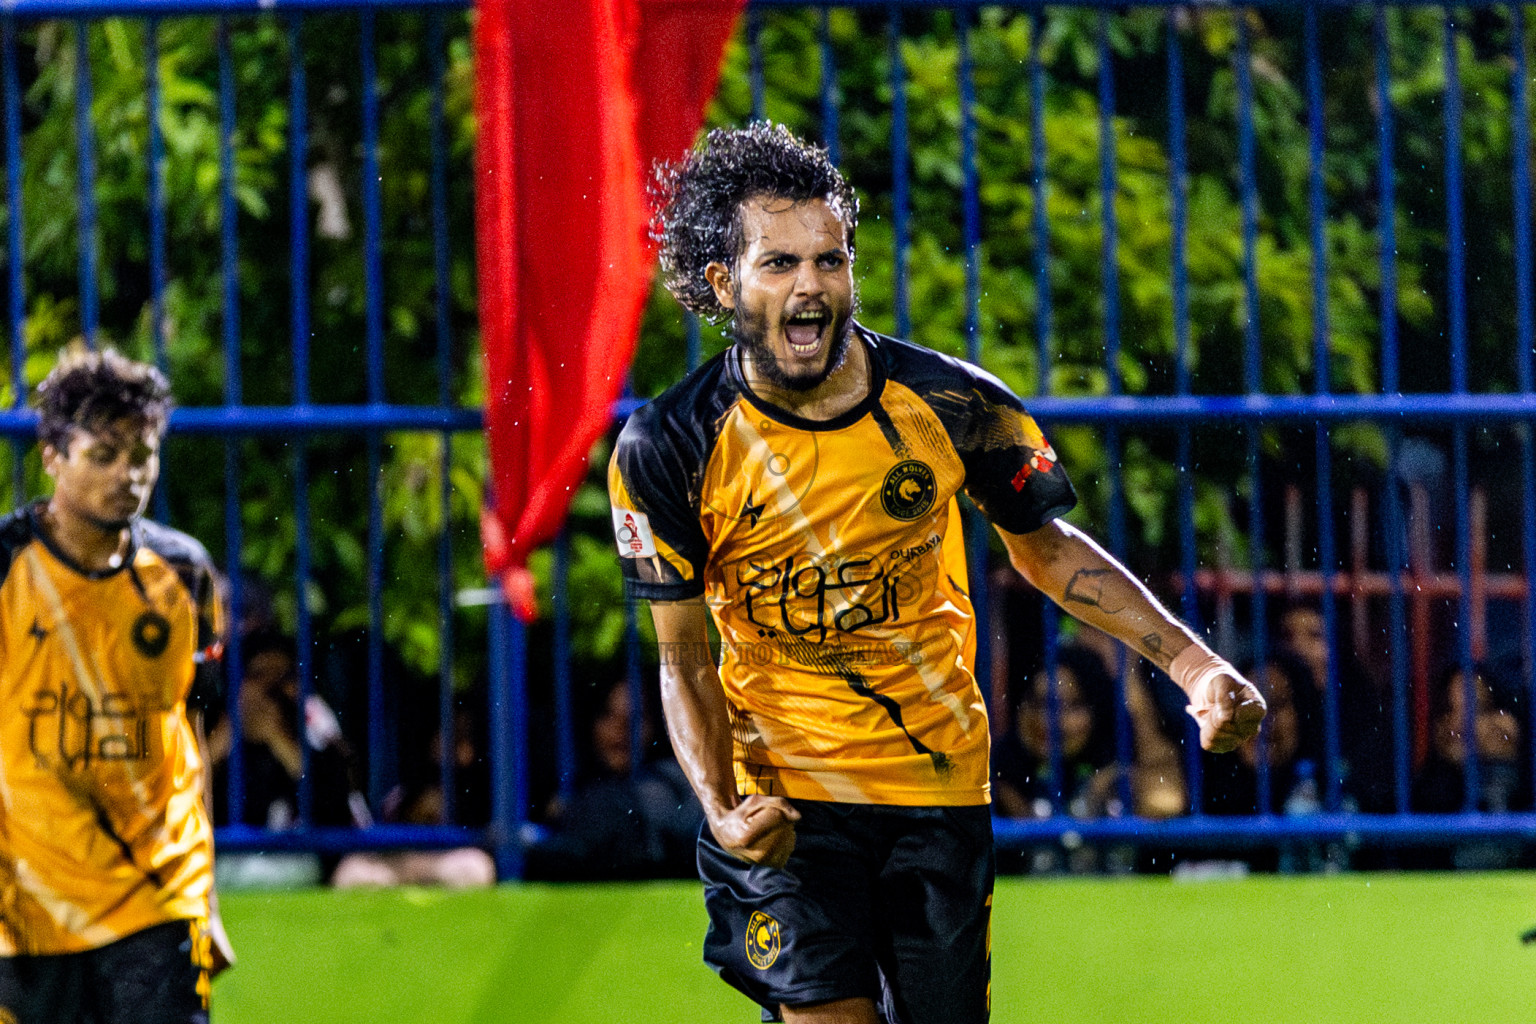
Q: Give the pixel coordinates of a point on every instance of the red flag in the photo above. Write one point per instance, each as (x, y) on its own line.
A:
(574, 99)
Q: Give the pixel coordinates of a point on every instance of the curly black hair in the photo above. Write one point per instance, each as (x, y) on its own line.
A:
(92, 389)
(698, 202)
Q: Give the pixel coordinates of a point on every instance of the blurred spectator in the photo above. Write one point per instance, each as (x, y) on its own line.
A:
(622, 824)
(1155, 706)
(1504, 782)
(1023, 784)
(1365, 714)
(1440, 786)
(272, 749)
(420, 800)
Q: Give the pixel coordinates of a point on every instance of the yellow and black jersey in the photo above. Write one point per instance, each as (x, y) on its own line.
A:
(103, 831)
(831, 557)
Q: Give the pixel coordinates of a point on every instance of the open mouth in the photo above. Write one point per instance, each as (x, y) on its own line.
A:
(804, 330)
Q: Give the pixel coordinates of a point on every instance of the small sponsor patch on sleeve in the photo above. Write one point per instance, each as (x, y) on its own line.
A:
(632, 531)
(1042, 460)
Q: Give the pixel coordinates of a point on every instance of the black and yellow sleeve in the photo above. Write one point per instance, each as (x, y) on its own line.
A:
(1011, 470)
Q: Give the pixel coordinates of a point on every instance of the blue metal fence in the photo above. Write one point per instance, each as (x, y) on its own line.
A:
(301, 422)
(1197, 414)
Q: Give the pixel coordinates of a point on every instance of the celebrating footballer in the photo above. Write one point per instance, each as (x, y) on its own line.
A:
(109, 631)
(799, 490)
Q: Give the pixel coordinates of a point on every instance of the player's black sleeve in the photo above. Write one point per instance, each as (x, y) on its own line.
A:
(15, 533)
(208, 679)
(655, 516)
(1011, 470)
(205, 588)
(654, 482)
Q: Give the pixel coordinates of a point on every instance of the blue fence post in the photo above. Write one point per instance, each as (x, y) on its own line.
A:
(1456, 272)
(1050, 623)
(1457, 328)
(16, 310)
(156, 168)
(1042, 223)
(380, 765)
(1110, 273)
(156, 190)
(1392, 511)
(1108, 188)
(565, 714)
(693, 342)
(441, 297)
(1253, 373)
(234, 530)
(509, 740)
(1520, 115)
(634, 679)
(1524, 331)
(299, 330)
(977, 532)
(1184, 467)
(85, 182)
(829, 90)
(899, 171)
(1327, 566)
(228, 226)
(755, 63)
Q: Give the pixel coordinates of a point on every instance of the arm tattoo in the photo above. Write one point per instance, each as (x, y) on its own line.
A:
(1087, 587)
(1153, 643)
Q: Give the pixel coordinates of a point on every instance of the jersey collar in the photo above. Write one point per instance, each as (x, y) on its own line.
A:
(842, 419)
(53, 549)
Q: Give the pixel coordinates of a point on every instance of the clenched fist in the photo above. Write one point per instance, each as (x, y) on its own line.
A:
(1229, 711)
(759, 830)
(1228, 707)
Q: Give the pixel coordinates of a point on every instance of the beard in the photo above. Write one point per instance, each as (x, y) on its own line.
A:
(113, 524)
(750, 331)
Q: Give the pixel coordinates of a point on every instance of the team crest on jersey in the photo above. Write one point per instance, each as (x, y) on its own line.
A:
(151, 634)
(632, 530)
(762, 940)
(909, 490)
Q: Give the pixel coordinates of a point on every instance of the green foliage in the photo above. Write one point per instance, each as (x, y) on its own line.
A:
(1074, 290)
(1144, 466)
(195, 322)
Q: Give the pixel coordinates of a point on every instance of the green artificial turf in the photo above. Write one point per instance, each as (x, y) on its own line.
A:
(1353, 949)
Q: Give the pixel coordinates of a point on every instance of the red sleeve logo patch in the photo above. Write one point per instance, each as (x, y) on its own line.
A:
(1043, 460)
(632, 530)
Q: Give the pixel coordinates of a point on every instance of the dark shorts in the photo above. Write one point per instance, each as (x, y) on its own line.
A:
(156, 976)
(888, 903)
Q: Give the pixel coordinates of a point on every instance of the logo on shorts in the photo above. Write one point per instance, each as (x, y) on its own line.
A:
(909, 490)
(762, 940)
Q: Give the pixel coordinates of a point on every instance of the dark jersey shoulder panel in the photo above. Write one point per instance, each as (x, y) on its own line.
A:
(184, 553)
(192, 564)
(660, 456)
(1017, 486)
(16, 532)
